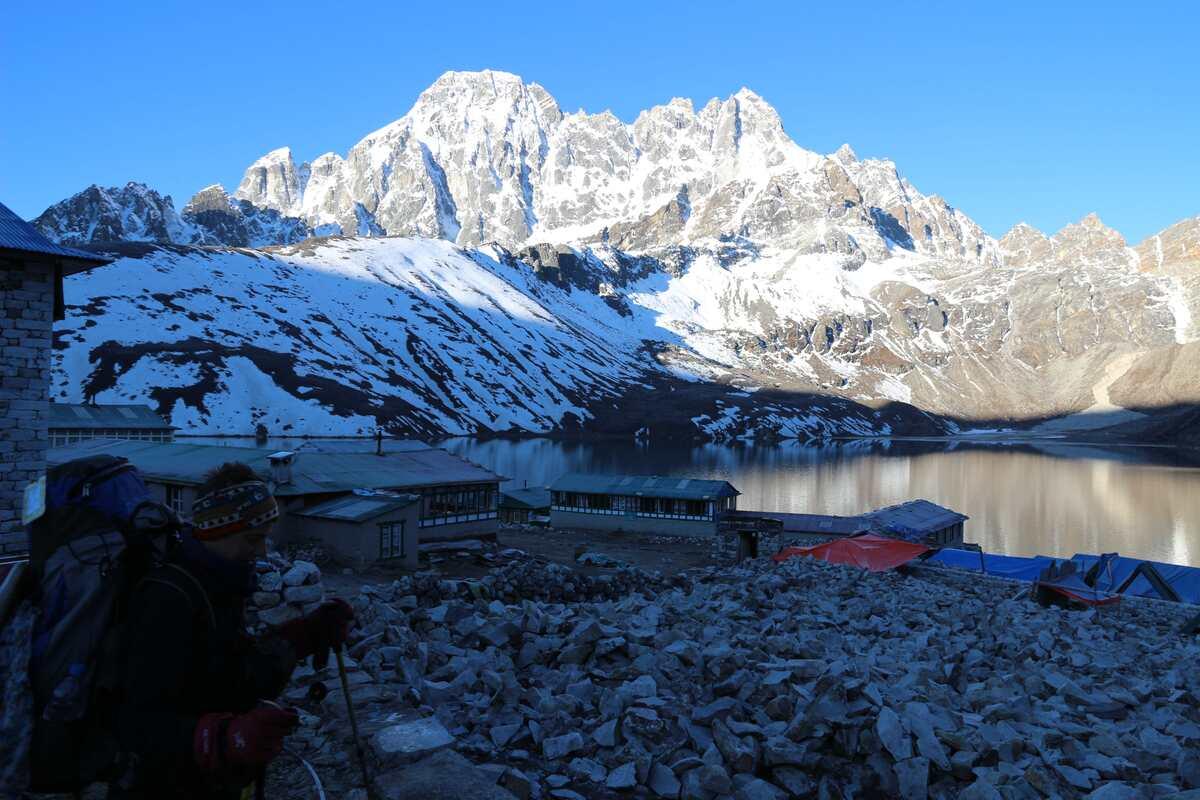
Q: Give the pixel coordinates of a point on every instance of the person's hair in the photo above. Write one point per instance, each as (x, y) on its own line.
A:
(228, 474)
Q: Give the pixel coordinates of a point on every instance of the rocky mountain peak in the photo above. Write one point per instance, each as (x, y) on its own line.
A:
(1024, 245)
(1176, 247)
(210, 198)
(1091, 241)
(273, 181)
(845, 154)
(133, 212)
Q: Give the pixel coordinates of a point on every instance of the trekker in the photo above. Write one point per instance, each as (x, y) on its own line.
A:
(192, 716)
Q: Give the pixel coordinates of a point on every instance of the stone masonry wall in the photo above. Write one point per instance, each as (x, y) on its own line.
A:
(26, 321)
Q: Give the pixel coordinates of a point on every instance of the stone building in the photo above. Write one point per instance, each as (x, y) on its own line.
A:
(31, 299)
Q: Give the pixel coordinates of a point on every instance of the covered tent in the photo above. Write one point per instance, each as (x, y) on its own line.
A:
(1020, 568)
(1064, 579)
(1184, 581)
(869, 551)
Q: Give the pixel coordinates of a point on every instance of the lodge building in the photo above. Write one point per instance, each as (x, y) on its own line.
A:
(78, 422)
(671, 506)
(363, 506)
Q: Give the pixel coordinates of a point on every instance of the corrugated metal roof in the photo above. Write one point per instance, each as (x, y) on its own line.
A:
(312, 473)
(17, 234)
(646, 485)
(914, 518)
(70, 415)
(356, 508)
(533, 497)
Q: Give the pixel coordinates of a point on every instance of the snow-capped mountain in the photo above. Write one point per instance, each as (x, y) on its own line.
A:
(694, 268)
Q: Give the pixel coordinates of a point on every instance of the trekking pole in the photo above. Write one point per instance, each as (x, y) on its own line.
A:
(362, 757)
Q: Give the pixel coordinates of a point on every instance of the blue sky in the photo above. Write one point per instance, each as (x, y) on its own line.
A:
(1011, 111)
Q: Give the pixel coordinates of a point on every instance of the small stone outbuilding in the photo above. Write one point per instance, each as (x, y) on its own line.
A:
(363, 529)
(31, 299)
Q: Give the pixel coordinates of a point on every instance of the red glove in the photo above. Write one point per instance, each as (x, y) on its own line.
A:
(251, 739)
(320, 632)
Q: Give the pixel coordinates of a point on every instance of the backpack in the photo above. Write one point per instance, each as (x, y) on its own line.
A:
(101, 533)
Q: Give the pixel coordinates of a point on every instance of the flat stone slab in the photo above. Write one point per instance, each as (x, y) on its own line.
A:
(445, 775)
(408, 741)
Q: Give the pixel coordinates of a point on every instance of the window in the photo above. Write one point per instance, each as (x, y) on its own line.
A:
(175, 499)
(445, 506)
(391, 539)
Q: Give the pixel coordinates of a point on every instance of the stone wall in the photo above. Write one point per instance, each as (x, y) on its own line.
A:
(725, 545)
(26, 320)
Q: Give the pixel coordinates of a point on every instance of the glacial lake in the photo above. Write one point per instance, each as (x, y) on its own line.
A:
(1023, 497)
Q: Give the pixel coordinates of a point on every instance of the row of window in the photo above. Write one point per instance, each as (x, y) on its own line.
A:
(655, 515)
(439, 504)
(662, 507)
(60, 437)
(454, 520)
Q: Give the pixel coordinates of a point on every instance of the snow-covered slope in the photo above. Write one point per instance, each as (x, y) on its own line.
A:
(416, 335)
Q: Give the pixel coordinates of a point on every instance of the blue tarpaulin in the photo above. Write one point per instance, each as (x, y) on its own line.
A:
(1021, 568)
(1185, 581)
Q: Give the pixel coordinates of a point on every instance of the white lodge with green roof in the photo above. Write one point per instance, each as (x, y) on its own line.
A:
(643, 504)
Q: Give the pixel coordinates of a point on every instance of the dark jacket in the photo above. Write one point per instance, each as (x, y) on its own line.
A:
(188, 654)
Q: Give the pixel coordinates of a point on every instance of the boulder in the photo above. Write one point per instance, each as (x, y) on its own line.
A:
(411, 740)
(443, 775)
(301, 573)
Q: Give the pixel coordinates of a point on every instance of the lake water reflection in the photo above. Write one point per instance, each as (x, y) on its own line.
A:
(1023, 498)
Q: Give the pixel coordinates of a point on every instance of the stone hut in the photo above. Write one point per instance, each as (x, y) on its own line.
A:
(31, 299)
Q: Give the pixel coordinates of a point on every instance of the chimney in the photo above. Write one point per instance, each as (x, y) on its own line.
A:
(281, 467)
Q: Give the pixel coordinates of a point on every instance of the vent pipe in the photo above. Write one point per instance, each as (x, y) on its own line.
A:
(281, 467)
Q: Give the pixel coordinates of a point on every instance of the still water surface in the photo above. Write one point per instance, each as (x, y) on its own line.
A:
(1023, 498)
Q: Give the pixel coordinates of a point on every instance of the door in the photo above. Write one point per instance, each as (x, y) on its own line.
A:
(747, 545)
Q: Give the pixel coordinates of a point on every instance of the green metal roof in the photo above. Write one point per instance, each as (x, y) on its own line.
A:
(312, 473)
(675, 488)
(533, 498)
(357, 508)
(128, 417)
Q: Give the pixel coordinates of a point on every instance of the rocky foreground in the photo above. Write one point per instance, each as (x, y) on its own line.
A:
(755, 682)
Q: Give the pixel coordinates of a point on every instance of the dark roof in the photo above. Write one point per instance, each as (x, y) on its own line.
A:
(810, 523)
(357, 508)
(675, 488)
(533, 498)
(312, 473)
(914, 518)
(130, 417)
(18, 235)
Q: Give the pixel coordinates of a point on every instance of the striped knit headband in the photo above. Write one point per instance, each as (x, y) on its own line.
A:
(233, 509)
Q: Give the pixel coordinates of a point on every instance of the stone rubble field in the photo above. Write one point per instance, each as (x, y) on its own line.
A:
(754, 682)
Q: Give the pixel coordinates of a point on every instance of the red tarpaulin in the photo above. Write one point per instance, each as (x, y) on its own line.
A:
(871, 552)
